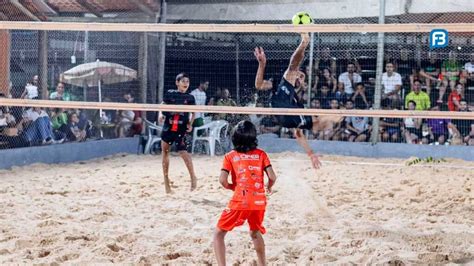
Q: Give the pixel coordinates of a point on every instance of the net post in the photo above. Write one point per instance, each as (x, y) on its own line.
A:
(43, 63)
(310, 78)
(5, 53)
(161, 54)
(378, 75)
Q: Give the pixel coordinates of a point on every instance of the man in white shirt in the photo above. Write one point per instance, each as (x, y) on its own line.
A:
(392, 83)
(469, 70)
(350, 79)
(200, 96)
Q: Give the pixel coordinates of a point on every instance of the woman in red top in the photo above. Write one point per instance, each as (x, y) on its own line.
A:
(454, 98)
(247, 166)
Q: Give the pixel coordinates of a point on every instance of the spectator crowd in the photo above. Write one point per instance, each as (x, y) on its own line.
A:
(433, 84)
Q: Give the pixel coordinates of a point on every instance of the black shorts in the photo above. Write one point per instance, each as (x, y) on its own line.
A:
(295, 121)
(178, 138)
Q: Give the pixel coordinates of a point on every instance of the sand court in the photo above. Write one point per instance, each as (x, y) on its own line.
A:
(353, 210)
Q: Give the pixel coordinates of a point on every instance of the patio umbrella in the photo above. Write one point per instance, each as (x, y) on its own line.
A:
(98, 73)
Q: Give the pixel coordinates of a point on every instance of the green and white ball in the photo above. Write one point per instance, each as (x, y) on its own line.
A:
(302, 18)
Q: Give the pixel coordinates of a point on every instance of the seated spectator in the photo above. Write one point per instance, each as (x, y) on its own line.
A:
(214, 97)
(438, 128)
(455, 98)
(31, 89)
(315, 104)
(137, 125)
(392, 83)
(403, 65)
(60, 94)
(325, 97)
(329, 127)
(358, 98)
(340, 94)
(327, 79)
(464, 126)
(58, 118)
(226, 101)
(256, 118)
(334, 104)
(430, 71)
(421, 98)
(390, 127)
(269, 124)
(451, 70)
(9, 134)
(357, 128)
(84, 122)
(412, 126)
(350, 79)
(468, 75)
(36, 127)
(325, 61)
(75, 133)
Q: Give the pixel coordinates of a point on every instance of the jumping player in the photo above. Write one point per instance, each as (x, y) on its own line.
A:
(247, 164)
(285, 96)
(175, 127)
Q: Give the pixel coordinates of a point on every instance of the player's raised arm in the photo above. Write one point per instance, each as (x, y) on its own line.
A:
(296, 59)
(262, 62)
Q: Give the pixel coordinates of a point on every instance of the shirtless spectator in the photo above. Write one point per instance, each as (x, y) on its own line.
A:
(465, 127)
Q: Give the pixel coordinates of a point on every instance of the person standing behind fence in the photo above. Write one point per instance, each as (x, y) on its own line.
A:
(200, 97)
(31, 89)
(350, 79)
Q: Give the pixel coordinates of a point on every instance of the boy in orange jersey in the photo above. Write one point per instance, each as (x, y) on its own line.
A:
(247, 165)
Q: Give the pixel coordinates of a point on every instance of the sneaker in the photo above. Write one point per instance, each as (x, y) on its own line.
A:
(59, 141)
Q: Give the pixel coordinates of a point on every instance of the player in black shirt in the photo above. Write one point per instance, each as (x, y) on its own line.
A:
(175, 127)
(285, 96)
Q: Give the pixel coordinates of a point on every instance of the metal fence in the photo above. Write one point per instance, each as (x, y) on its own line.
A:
(225, 60)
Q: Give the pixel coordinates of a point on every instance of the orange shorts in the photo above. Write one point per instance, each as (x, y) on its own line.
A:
(232, 218)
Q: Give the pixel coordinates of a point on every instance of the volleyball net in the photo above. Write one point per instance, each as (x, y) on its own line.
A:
(366, 82)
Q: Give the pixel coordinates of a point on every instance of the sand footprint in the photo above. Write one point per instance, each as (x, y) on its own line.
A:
(67, 257)
(175, 255)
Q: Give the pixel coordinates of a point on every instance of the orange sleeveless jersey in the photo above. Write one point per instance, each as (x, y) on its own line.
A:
(247, 170)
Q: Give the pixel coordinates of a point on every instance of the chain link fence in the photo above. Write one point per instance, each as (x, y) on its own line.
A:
(340, 73)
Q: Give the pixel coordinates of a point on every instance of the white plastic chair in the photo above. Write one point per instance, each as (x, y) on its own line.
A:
(214, 132)
(151, 138)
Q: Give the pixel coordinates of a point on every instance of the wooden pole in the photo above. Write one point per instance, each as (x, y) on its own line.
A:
(43, 64)
(235, 110)
(5, 62)
(163, 27)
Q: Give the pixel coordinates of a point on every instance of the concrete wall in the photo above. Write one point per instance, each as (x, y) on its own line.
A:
(67, 152)
(72, 152)
(392, 150)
